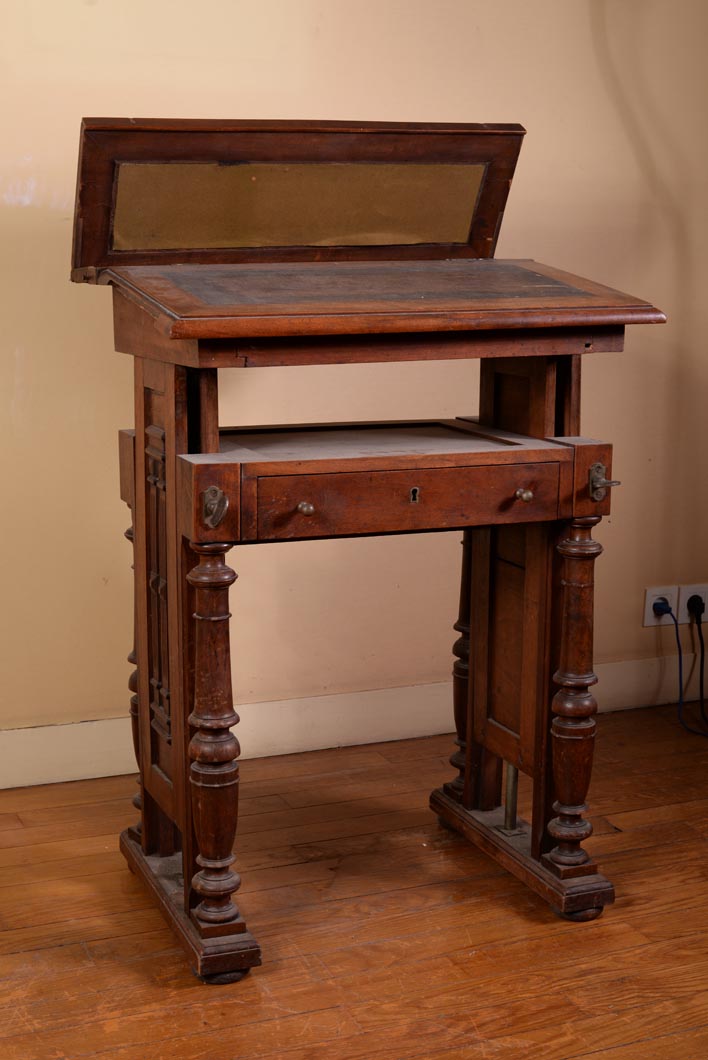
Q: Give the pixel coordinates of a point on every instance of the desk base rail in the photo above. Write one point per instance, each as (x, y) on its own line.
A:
(579, 898)
(218, 959)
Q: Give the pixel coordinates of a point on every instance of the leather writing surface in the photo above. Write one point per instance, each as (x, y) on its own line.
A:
(456, 281)
(334, 298)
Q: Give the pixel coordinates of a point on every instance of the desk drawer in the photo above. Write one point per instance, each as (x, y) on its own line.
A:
(376, 502)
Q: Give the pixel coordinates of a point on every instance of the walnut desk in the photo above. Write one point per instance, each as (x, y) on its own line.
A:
(237, 244)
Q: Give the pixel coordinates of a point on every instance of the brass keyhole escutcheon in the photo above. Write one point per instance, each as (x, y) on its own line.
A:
(415, 495)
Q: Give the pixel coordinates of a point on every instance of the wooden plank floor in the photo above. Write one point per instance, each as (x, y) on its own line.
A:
(383, 936)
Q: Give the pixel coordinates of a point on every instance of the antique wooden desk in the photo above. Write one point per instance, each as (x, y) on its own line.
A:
(239, 244)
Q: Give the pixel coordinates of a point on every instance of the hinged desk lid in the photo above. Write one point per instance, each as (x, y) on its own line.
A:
(154, 192)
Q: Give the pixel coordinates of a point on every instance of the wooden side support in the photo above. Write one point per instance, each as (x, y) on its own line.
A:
(536, 719)
(183, 680)
(212, 931)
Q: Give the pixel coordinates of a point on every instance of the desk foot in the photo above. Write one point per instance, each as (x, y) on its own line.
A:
(224, 978)
(217, 959)
(582, 915)
(579, 898)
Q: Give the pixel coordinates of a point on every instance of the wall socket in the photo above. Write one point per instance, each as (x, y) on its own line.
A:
(671, 592)
(678, 596)
(685, 594)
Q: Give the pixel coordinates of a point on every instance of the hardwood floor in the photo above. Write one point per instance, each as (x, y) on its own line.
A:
(383, 935)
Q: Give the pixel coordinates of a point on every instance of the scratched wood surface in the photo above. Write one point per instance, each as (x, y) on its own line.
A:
(108, 144)
(383, 935)
(340, 298)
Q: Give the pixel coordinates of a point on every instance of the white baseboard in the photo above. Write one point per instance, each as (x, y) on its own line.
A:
(645, 682)
(56, 753)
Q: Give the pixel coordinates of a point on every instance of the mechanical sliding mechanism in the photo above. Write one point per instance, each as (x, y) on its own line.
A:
(511, 798)
(598, 484)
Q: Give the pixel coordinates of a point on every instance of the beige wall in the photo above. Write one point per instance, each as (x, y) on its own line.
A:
(610, 184)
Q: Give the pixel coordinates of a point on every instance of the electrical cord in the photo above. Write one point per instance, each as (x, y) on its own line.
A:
(663, 607)
(695, 608)
(701, 669)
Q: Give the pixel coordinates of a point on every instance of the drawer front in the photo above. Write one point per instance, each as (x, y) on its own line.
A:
(378, 502)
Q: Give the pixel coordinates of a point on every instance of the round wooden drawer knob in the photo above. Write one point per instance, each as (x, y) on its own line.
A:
(524, 494)
(305, 508)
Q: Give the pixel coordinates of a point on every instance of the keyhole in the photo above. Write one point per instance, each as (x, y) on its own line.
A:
(414, 495)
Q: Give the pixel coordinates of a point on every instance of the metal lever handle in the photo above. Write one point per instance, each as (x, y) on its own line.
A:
(215, 505)
(598, 485)
(524, 495)
(305, 508)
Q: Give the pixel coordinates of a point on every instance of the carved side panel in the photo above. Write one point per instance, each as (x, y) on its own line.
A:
(154, 474)
(158, 632)
(511, 653)
(133, 688)
(175, 410)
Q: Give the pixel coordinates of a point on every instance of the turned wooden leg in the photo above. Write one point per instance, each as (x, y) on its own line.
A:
(213, 749)
(209, 925)
(460, 674)
(133, 688)
(573, 706)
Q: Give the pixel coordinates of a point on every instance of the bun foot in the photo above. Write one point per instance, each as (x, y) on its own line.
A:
(580, 916)
(223, 978)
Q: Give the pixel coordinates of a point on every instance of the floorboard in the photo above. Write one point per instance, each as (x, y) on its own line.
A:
(384, 936)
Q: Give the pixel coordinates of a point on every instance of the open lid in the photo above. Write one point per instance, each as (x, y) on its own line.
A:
(154, 192)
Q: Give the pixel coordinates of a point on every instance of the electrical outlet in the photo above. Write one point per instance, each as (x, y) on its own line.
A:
(671, 592)
(685, 593)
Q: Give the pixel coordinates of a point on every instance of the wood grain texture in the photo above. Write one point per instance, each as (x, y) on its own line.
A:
(361, 503)
(573, 705)
(343, 880)
(139, 331)
(106, 142)
(375, 478)
(340, 298)
(185, 312)
(213, 749)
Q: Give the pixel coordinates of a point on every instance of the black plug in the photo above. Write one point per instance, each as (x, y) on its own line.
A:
(661, 606)
(695, 607)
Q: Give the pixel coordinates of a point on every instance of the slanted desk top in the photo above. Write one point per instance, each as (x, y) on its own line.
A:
(332, 298)
(302, 231)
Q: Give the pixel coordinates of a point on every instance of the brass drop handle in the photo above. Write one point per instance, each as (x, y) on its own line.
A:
(305, 508)
(524, 495)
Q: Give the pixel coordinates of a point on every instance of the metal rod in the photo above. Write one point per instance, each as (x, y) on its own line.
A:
(510, 799)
